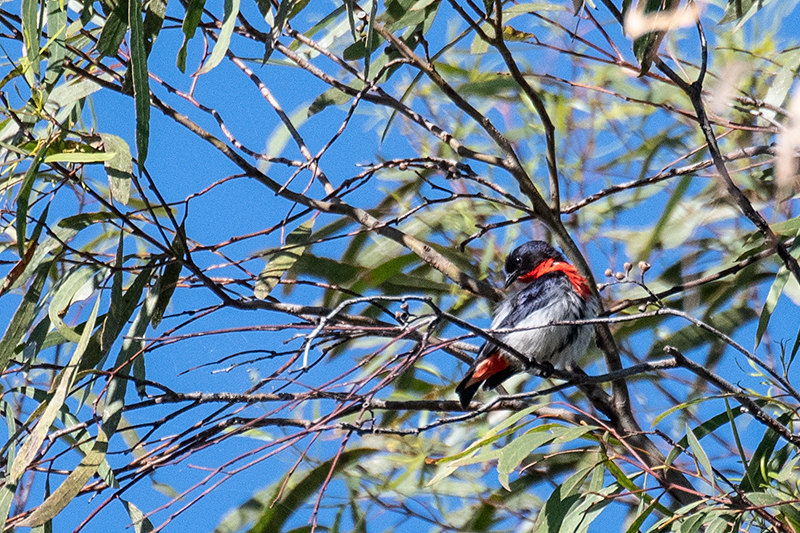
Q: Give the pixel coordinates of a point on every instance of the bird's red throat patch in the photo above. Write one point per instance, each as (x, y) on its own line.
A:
(488, 368)
(579, 283)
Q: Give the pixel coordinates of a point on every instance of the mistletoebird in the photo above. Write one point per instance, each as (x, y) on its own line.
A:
(545, 289)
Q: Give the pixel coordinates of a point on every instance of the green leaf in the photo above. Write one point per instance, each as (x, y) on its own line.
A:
(673, 203)
(587, 508)
(78, 157)
(280, 136)
(741, 10)
(84, 220)
(780, 86)
(42, 251)
(59, 391)
(112, 34)
(31, 33)
(6, 499)
(194, 12)
(166, 284)
(57, 30)
(153, 21)
(709, 426)
(332, 96)
(141, 81)
(496, 432)
(636, 525)
(224, 38)
(132, 350)
(274, 516)
(720, 524)
(372, 40)
(119, 167)
(555, 510)
(519, 449)
(755, 475)
(700, 454)
(120, 310)
(772, 501)
(645, 47)
(23, 198)
(281, 17)
(141, 524)
(67, 289)
(284, 259)
(71, 486)
(23, 318)
(775, 292)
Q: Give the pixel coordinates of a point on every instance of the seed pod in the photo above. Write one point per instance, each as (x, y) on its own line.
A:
(620, 276)
(627, 266)
(609, 272)
(644, 266)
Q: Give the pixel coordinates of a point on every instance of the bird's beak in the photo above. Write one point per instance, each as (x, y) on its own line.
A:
(510, 278)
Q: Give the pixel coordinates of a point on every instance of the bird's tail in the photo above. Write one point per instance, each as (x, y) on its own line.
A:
(489, 372)
(467, 389)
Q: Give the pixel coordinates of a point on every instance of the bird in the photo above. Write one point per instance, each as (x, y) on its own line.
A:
(545, 288)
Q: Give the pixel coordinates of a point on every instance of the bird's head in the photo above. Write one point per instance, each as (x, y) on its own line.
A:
(527, 258)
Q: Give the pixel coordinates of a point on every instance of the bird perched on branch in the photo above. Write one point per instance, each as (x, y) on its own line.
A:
(546, 290)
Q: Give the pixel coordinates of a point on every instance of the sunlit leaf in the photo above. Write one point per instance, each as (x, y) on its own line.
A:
(224, 37)
(141, 524)
(59, 391)
(700, 454)
(119, 167)
(71, 486)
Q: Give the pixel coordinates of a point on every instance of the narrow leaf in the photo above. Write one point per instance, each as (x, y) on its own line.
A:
(23, 198)
(224, 38)
(6, 498)
(775, 292)
(112, 34)
(67, 289)
(276, 515)
(332, 96)
(700, 454)
(31, 32)
(23, 318)
(519, 449)
(167, 283)
(61, 387)
(281, 17)
(120, 310)
(371, 38)
(282, 260)
(141, 524)
(141, 82)
(78, 157)
(194, 12)
(756, 470)
(153, 21)
(119, 167)
(71, 486)
(57, 30)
